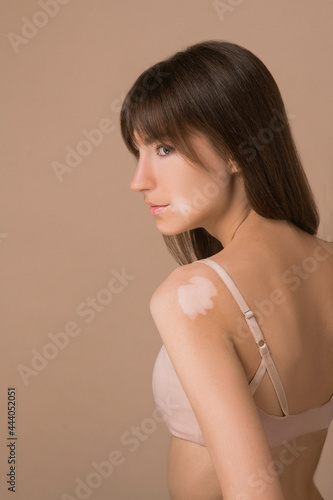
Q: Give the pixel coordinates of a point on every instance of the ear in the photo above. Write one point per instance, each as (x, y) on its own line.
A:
(233, 167)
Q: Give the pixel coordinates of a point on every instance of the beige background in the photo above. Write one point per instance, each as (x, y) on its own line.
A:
(60, 242)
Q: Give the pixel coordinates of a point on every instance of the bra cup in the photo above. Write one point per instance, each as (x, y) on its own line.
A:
(176, 411)
(171, 401)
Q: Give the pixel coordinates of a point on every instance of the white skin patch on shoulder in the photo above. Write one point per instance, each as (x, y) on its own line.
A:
(195, 298)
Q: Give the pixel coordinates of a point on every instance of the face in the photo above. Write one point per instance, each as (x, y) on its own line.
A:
(184, 195)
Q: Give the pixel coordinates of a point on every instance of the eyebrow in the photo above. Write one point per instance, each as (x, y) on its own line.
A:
(147, 141)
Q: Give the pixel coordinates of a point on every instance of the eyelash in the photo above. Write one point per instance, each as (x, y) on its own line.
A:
(168, 148)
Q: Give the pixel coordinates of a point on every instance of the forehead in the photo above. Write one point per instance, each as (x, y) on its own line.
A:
(142, 140)
(137, 139)
(196, 138)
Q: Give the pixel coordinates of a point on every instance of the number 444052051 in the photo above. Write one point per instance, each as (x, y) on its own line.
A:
(11, 410)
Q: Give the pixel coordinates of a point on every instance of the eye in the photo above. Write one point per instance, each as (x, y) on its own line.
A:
(164, 150)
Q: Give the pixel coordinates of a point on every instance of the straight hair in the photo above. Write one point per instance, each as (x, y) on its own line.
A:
(225, 92)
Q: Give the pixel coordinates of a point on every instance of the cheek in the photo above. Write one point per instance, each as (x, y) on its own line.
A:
(200, 193)
(196, 298)
(182, 205)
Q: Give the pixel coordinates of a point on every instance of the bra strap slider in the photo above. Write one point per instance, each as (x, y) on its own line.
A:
(248, 314)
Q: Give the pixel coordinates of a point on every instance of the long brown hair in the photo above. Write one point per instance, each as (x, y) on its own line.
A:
(225, 92)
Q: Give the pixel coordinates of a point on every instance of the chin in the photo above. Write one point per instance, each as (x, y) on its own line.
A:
(167, 232)
(173, 229)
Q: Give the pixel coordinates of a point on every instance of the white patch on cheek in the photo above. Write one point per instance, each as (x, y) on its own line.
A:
(195, 298)
(182, 205)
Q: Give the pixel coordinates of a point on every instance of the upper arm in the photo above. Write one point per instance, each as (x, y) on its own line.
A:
(215, 383)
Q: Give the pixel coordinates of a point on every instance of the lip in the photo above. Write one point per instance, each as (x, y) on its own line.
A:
(153, 204)
(156, 209)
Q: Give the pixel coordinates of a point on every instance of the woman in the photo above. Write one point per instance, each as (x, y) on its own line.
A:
(244, 380)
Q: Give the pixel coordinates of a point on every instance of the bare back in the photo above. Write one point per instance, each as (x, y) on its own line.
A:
(286, 277)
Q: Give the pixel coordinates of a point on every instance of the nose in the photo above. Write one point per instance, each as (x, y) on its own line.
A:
(143, 178)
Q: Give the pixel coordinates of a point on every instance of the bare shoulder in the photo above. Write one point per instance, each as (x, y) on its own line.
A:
(194, 283)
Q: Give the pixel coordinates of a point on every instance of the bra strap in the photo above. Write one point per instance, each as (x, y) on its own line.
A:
(267, 362)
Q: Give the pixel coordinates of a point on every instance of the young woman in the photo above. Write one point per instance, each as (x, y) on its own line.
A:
(244, 379)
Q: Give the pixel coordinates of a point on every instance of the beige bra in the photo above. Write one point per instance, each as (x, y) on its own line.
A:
(175, 408)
